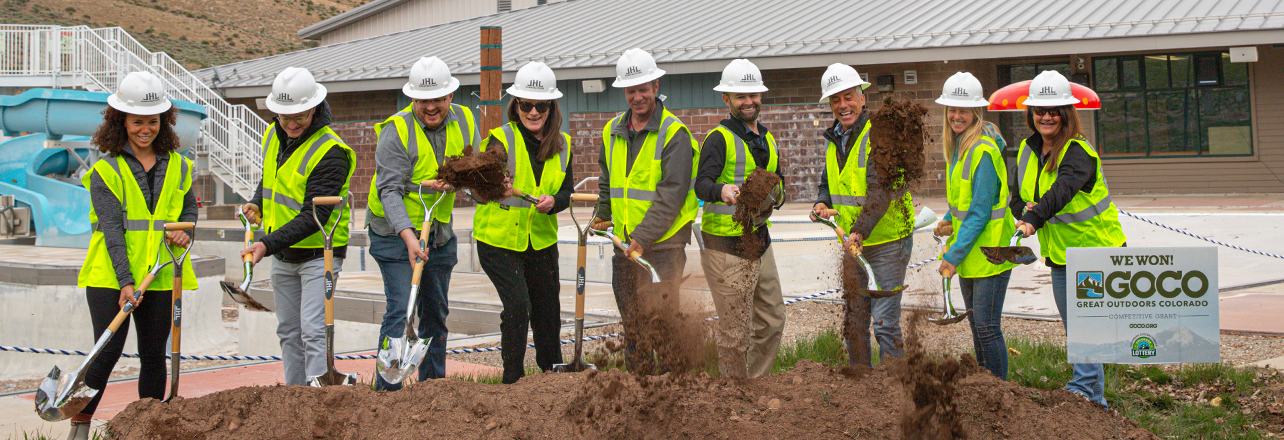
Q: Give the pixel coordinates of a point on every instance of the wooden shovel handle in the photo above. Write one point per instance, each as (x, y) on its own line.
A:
(831, 212)
(180, 226)
(329, 200)
(581, 197)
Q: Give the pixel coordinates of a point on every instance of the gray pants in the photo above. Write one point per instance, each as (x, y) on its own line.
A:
(301, 317)
(888, 261)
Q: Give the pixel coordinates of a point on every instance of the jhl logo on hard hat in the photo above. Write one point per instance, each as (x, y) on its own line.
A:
(151, 97)
(1047, 91)
(1143, 346)
(283, 97)
(749, 78)
(535, 84)
(632, 70)
(428, 82)
(832, 80)
(959, 91)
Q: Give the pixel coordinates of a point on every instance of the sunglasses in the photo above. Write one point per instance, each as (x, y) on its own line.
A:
(1040, 111)
(526, 107)
(297, 120)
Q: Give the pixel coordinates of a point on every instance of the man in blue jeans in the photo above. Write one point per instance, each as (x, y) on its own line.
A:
(412, 144)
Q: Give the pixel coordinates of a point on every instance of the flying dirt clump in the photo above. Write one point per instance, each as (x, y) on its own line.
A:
(896, 138)
(758, 190)
(483, 172)
(931, 383)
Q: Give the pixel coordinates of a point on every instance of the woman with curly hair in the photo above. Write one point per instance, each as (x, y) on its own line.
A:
(141, 185)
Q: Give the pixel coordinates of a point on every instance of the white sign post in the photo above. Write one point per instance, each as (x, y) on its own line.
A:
(1155, 305)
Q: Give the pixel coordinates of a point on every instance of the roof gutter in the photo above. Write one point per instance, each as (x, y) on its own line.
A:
(314, 32)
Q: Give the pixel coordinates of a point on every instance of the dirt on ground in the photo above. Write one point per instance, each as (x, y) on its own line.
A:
(482, 173)
(812, 401)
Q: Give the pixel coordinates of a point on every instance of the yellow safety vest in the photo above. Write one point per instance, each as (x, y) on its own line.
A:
(633, 190)
(717, 217)
(1089, 220)
(284, 189)
(1001, 226)
(847, 190)
(143, 228)
(513, 223)
(426, 160)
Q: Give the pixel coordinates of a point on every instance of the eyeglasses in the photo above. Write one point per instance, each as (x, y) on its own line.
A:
(297, 120)
(526, 107)
(1040, 111)
(435, 102)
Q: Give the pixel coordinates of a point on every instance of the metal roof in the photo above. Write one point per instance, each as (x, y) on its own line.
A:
(583, 38)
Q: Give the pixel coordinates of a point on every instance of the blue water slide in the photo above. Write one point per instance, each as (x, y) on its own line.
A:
(30, 171)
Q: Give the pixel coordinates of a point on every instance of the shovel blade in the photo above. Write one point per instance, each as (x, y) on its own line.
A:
(948, 319)
(241, 297)
(400, 358)
(882, 293)
(575, 366)
(61, 396)
(1009, 254)
(332, 378)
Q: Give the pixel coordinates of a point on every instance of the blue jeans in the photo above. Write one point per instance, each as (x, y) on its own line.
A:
(888, 261)
(394, 264)
(985, 297)
(1088, 379)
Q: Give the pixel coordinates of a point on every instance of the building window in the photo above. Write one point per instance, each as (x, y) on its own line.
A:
(1172, 105)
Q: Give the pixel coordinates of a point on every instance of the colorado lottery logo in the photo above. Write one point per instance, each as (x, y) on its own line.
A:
(1143, 346)
(1090, 285)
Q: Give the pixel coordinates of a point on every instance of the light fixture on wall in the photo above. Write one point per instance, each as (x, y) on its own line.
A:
(594, 86)
(886, 83)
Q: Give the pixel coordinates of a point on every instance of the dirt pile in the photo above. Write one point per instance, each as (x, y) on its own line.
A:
(812, 402)
(483, 173)
(758, 190)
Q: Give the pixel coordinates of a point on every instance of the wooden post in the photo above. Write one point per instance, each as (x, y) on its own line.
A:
(492, 78)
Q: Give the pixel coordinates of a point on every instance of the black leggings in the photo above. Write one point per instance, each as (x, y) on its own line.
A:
(151, 319)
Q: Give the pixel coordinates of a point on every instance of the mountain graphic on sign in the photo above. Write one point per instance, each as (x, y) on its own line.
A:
(1090, 283)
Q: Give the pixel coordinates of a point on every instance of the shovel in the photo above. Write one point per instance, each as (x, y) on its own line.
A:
(871, 288)
(331, 376)
(400, 357)
(577, 364)
(950, 315)
(1012, 253)
(176, 331)
(527, 197)
(62, 395)
(241, 293)
(635, 256)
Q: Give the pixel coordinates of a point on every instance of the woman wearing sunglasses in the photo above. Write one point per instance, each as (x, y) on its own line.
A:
(1060, 191)
(517, 239)
(978, 195)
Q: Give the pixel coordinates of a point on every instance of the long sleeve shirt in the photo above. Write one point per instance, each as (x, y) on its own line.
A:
(325, 179)
(393, 171)
(713, 157)
(676, 160)
(1076, 172)
(561, 199)
(111, 219)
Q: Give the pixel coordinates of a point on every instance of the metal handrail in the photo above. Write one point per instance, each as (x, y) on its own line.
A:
(100, 58)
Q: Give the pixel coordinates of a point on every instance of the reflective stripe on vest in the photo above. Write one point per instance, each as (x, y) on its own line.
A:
(462, 132)
(1089, 219)
(633, 188)
(847, 192)
(717, 218)
(285, 184)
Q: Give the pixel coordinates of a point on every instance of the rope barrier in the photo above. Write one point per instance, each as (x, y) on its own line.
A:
(1170, 228)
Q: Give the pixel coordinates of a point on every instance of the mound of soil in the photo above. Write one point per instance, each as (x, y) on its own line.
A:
(482, 173)
(757, 191)
(812, 401)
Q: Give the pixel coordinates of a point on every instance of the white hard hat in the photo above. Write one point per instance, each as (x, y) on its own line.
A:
(1050, 89)
(140, 93)
(429, 79)
(839, 77)
(962, 90)
(634, 67)
(295, 91)
(535, 81)
(741, 76)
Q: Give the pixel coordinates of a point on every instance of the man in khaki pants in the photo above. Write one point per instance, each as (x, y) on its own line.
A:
(741, 272)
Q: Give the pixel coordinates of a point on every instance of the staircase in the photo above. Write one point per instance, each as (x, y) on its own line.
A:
(97, 59)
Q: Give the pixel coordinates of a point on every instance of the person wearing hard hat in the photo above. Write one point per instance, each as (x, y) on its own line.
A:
(142, 183)
(746, 292)
(302, 159)
(1060, 190)
(647, 160)
(412, 144)
(517, 240)
(880, 223)
(977, 192)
